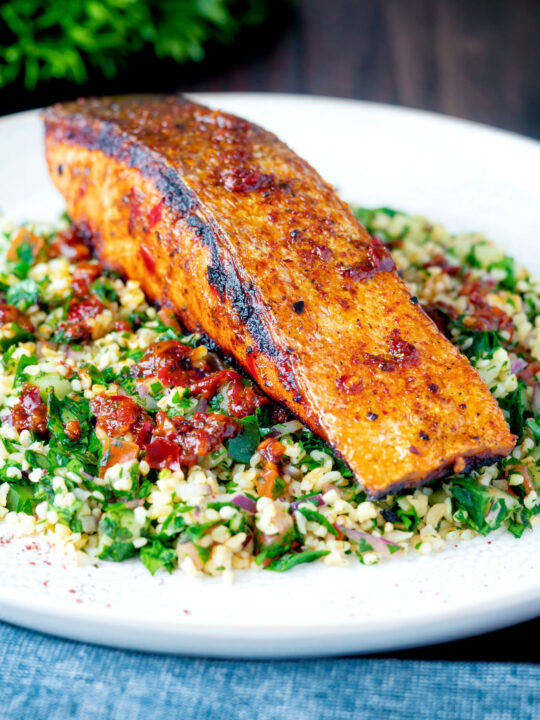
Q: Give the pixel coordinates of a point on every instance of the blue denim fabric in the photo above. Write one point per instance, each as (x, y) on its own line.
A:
(44, 678)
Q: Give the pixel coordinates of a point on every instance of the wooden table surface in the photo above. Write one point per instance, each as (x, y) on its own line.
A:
(475, 59)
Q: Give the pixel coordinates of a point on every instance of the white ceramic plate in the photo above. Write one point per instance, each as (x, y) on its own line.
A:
(466, 175)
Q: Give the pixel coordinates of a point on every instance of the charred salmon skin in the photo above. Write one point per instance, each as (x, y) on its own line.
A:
(222, 222)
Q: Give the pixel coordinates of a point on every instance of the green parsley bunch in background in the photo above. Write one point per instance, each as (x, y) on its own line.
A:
(42, 40)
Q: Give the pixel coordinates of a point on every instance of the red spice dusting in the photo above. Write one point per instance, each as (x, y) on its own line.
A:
(384, 363)
(349, 385)
(30, 413)
(377, 260)
(400, 354)
(404, 353)
(10, 314)
(243, 180)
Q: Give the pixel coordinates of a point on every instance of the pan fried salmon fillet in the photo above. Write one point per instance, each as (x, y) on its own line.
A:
(226, 225)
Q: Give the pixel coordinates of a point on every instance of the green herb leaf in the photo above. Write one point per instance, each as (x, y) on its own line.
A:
(277, 548)
(20, 335)
(286, 562)
(314, 516)
(513, 408)
(116, 531)
(244, 445)
(65, 40)
(20, 498)
(486, 508)
(155, 555)
(24, 362)
(23, 294)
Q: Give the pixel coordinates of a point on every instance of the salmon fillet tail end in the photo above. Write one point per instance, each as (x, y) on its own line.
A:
(223, 223)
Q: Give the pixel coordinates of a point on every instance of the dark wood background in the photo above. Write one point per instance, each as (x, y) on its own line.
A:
(476, 59)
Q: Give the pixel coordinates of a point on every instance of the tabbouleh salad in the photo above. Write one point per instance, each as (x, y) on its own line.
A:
(121, 436)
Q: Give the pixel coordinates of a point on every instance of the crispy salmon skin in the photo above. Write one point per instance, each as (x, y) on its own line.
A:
(225, 224)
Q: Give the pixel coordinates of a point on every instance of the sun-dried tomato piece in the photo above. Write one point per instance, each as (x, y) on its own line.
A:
(122, 326)
(192, 437)
(530, 373)
(242, 400)
(117, 451)
(10, 314)
(162, 453)
(271, 451)
(117, 415)
(73, 430)
(30, 413)
(83, 276)
(70, 244)
(168, 360)
(75, 326)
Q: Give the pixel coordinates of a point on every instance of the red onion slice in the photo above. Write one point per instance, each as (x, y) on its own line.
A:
(379, 544)
(536, 398)
(245, 503)
(517, 365)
